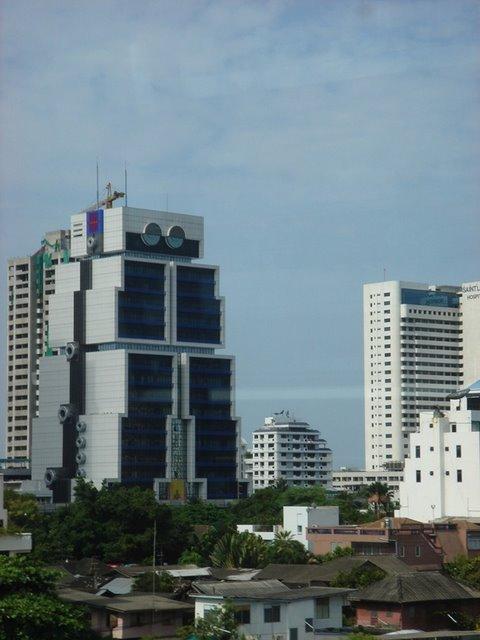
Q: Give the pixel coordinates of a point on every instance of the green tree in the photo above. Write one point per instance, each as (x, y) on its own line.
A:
(30, 608)
(359, 577)
(380, 496)
(285, 550)
(465, 570)
(164, 582)
(236, 550)
(23, 512)
(190, 556)
(218, 624)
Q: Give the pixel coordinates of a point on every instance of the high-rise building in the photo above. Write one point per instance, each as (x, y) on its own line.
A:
(285, 449)
(420, 344)
(442, 475)
(137, 393)
(31, 281)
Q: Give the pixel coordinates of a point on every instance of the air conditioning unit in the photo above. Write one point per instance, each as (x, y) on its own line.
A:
(50, 477)
(81, 427)
(66, 412)
(80, 458)
(81, 442)
(72, 350)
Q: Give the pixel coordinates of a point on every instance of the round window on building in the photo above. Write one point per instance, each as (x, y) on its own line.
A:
(151, 234)
(175, 237)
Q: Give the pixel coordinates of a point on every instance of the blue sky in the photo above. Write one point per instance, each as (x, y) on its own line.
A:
(322, 141)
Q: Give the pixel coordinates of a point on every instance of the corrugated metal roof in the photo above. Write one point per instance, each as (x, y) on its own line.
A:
(422, 586)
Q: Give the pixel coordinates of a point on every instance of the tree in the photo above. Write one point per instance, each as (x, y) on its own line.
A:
(23, 512)
(30, 608)
(465, 570)
(359, 577)
(190, 556)
(236, 550)
(164, 582)
(218, 624)
(380, 496)
(285, 550)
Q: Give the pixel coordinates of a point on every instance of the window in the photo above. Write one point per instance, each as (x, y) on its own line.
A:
(299, 528)
(459, 475)
(418, 551)
(271, 614)
(418, 475)
(322, 608)
(417, 451)
(293, 634)
(401, 551)
(454, 428)
(242, 614)
(459, 450)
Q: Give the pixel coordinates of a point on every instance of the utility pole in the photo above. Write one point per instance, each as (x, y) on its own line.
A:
(153, 569)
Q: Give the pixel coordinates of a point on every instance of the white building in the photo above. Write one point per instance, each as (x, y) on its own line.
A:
(412, 361)
(31, 282)
(132, 390)
(296, 520)
(470, 308)
(11, 543)
(267, 609)
(442, 475)
(352, 480)
(285, 449)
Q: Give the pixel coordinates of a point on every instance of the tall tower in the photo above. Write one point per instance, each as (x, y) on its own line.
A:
(31, 281)
(137, 393)
(412, 361)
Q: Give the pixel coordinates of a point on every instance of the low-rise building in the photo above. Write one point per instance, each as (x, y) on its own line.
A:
(132, 615)
(426, 601)
(411, 541)
(442, 474)
(292, 451)
(11, 543)
(296, 521)
(352, 480)
(269, 609)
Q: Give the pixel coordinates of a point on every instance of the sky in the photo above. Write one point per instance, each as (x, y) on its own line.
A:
(322, 141)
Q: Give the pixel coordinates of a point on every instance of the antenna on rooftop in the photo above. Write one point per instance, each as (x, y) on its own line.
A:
(125, 189)
(98, 192)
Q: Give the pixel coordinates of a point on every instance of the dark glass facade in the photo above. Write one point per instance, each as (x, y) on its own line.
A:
(215, 431)
(430, 298)
(141, 306)
(198, 310)
(150, 384)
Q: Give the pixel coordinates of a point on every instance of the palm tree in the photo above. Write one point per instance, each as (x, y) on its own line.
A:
(285, 550)
(236, 550)
(380, 496)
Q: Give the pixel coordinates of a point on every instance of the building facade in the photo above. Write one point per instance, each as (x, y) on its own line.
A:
(31, 282)
(412, 361)
(136, 393)
(285, 449)
(352, 480)
(442, 475)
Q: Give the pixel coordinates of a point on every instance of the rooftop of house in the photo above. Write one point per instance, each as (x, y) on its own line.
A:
(134, 602)
(262, 590)
(424, 586)
(328, 571)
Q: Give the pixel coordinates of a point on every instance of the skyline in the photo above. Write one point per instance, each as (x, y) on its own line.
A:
(321, 145)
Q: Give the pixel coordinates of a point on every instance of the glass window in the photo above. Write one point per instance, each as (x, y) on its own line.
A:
(459, 450)
(459, 475)
(418, 475)
(242, 614)
(271, 614)
(322, 608)
(417, 451)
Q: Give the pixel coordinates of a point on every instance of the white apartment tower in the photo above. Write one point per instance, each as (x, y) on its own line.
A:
(421, 343)
(442, 475)
(285, 449)
(31, 281)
